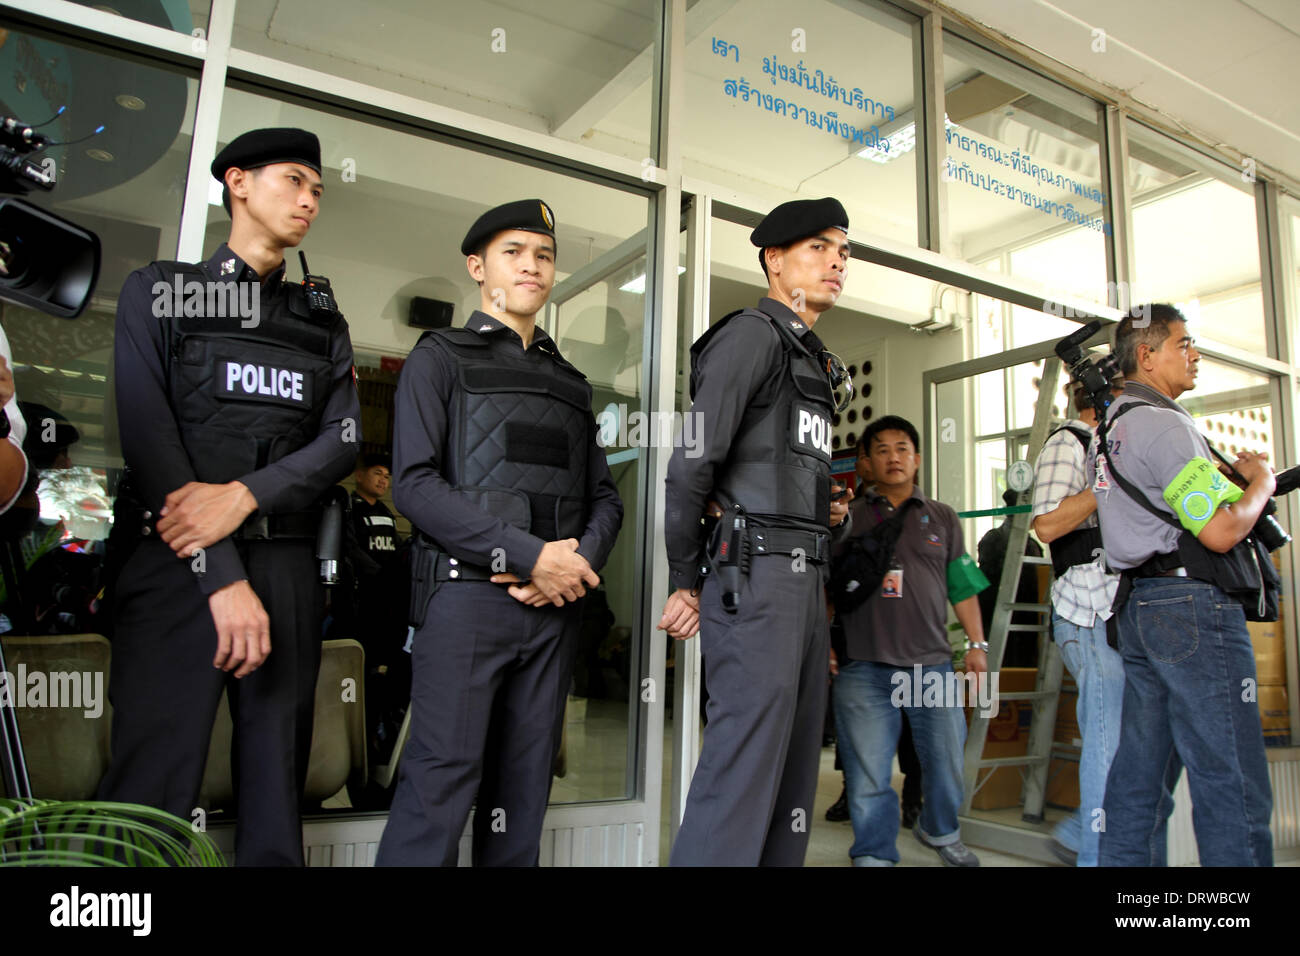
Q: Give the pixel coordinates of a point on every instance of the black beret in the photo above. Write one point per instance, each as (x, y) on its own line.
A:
(799, 219)
(262, 147)
(530, 215)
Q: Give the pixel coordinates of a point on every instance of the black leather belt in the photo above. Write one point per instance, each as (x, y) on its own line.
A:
(451, 569)
(299, 524)
(814, 545)
(1159, 566)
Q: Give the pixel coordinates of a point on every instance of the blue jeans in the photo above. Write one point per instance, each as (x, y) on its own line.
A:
(1189, 700)
(1099, 671)
(868, 725)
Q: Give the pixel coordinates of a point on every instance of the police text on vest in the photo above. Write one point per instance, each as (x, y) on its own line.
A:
(250, 379)
(814, 431)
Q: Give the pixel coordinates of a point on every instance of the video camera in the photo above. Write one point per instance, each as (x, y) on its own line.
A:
(46, 262)
(1096, 376)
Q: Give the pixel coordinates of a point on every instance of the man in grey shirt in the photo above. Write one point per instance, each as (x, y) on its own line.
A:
(899, 658)
(1188, 663)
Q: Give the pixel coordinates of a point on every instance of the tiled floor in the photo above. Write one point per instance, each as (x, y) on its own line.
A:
(596, 749)
(828, 843)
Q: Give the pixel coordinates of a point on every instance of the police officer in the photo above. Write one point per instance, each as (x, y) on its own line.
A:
(761, 385)
(375, 527)
(378, 616)
(238, 409)
(498, 468)
(1177, 529)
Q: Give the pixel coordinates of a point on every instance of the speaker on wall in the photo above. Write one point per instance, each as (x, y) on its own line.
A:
(429, 313)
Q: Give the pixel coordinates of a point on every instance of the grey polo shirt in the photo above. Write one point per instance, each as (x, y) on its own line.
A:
(912, 628)
(1150, 446)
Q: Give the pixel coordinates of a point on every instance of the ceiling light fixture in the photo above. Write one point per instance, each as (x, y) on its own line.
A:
(637, 285)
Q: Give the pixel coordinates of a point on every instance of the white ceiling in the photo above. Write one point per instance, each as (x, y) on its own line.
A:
(1224, 70)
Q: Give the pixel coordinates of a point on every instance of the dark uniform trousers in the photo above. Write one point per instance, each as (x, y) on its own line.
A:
(165, 693)
(751, 799)
(489, 681)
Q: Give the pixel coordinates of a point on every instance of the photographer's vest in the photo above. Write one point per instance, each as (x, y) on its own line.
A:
(1081, 545)
(1245, 573)
(779, 463)
(246, 397)
(519, 434)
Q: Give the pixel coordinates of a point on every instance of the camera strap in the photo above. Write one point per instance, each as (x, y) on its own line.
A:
(1103, 429)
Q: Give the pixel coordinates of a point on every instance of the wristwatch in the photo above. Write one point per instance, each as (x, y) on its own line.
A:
(978, 646)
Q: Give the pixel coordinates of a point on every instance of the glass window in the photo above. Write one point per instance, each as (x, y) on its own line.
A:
(1023, 173)
(578, 70)
(1195, 240)
(787, 102)
(127, 186)
(183, 16)
(392, 217)
(1232, 408)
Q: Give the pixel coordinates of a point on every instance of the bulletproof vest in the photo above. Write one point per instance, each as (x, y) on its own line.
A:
(519, 435)
(1079, 546)
(375, 528)
(778, 466)
(245, 397)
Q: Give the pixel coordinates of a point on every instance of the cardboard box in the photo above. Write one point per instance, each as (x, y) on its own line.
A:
(1067, 722)
(1268, 639)
(1275, 715)
(1063, 783)
(1008, 736)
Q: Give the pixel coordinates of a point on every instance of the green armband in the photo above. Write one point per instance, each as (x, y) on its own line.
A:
(965, 579)
(1197, 492)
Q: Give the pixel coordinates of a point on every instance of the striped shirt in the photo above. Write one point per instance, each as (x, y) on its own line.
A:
(1085, 591)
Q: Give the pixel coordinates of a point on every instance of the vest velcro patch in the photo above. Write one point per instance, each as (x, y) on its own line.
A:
(531, 444)
(258, 382)
(810, 430)
(493, 378)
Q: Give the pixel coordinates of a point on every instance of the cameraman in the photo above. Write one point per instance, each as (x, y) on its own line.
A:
(1082, 595)
(1182, 630)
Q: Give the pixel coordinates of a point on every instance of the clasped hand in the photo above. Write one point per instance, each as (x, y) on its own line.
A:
(558, 576)
(198, 515)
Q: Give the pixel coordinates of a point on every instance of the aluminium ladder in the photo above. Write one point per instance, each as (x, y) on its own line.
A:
(1047, 686)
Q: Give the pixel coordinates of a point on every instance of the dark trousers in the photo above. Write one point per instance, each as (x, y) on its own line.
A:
(165, 694)
(489, 681)
(751, 798)
(1189, 673)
